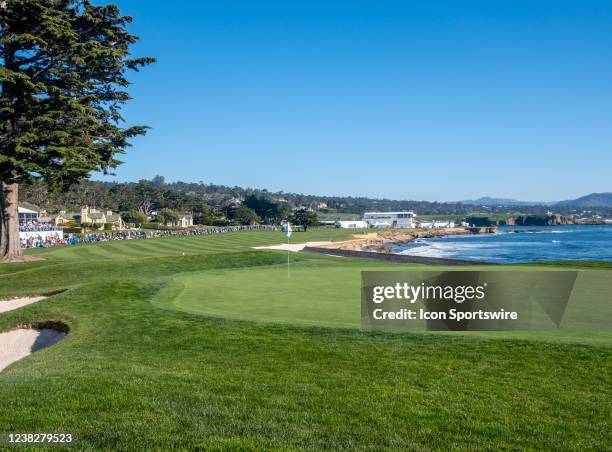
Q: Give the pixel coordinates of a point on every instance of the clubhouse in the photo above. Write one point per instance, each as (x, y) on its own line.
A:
(390, 219)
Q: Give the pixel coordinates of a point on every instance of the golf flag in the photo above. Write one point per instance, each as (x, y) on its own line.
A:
(288, 232)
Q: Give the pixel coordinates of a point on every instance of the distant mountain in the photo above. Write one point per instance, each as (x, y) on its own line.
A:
(592, 200)
(488, 201)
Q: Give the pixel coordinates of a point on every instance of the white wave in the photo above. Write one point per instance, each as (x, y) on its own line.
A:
(443, 249)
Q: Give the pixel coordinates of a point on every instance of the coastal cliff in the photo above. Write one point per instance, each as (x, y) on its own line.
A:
(522, 220)
(539, 220)
(377, 241)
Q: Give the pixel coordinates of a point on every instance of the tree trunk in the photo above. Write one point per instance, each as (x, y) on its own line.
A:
(10, 246)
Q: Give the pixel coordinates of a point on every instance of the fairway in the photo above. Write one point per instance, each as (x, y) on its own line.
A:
(190, 245)
(203, 342)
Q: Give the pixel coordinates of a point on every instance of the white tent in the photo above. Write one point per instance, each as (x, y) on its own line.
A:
(352, 224)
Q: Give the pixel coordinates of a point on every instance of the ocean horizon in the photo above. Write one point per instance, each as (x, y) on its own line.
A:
(530, 244)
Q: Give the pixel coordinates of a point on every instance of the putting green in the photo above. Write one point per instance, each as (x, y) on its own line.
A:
(319, 292)
(322, 295)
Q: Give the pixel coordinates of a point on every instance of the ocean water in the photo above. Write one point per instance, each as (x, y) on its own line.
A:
(534, 243)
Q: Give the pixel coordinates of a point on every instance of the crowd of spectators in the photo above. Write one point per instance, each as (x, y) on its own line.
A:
(74, 239)
(35, 226)
(42, 241)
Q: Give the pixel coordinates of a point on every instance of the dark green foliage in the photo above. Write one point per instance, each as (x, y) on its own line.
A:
(134, 217)
(220, 222)
(539, 220)
(305, 218)
(269, 211)
(62, 77)
(156, 226)
(243, 215)
(205, 215)
(167, 217)
(210, 202)
(63, 85)
(480, 221)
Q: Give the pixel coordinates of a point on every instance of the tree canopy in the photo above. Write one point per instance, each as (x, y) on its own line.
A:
(63, 82)
(167, 217)
(243, 215)
(269, 211)
(305, 218)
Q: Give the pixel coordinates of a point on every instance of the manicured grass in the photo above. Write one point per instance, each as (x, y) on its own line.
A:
(325, 292)
(133, 374)
(319, 294)
(191, 245)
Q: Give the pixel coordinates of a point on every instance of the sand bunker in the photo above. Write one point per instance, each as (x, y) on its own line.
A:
(17, 344)
(14, 303)
(295, 247)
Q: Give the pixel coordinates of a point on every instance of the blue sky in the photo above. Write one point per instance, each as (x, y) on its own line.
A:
(432, 100)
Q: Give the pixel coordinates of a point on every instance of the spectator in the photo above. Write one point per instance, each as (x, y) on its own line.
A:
(75, 239)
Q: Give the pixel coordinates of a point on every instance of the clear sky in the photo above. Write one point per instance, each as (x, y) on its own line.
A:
(427, 100)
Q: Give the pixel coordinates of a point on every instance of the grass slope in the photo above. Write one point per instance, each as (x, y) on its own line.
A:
(134, 375)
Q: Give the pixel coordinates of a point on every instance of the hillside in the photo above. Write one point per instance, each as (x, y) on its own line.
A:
(211, 202)
(592, 200)
(489, 201)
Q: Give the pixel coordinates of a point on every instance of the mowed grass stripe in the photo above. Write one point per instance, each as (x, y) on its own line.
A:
(124, 249)
(136, 248)
(188, 247)
(162, 247)
(79, 252)
(195, 245)
(212, 247)
(82, 252)
(213, 243)
(143, 248)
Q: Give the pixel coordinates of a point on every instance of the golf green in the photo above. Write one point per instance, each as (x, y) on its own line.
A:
(319, 291)
(327, 295)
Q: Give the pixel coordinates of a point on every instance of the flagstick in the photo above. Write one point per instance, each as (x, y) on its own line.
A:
(288, 233)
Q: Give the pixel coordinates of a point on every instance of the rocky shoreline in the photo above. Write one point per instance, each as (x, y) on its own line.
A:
(378, 241)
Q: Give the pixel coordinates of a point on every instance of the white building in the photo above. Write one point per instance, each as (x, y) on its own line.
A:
(29, 226)
(26, 215)
(390, 219)
(436, 224)
(351, 224)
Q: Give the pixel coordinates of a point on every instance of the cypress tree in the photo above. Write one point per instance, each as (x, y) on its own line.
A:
(63, 83)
